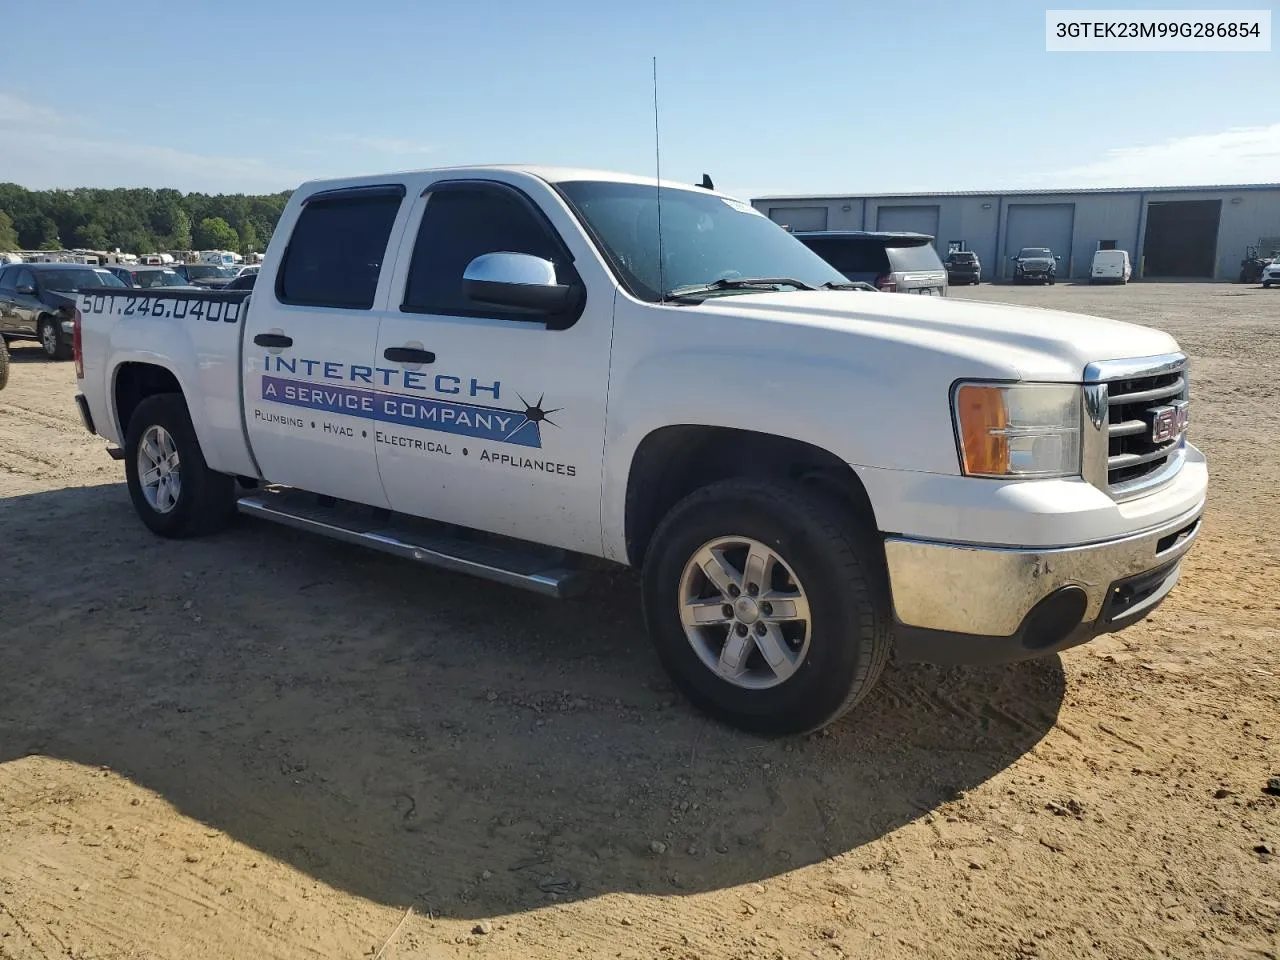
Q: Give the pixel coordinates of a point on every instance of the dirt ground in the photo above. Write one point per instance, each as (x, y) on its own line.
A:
(268, 745)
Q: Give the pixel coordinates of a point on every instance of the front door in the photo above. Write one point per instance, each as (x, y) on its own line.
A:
(495, 421)
(8, 276)
(26, 307)
(309, 347)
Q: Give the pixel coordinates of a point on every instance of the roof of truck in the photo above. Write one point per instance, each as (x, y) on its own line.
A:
(551, 174)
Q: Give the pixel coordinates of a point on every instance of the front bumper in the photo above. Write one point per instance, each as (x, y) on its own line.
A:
(966, 603)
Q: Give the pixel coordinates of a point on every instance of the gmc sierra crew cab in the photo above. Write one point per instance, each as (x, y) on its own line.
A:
(517, 372)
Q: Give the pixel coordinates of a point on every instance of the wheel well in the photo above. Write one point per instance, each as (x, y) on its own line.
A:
(672, 462)
(134, 383)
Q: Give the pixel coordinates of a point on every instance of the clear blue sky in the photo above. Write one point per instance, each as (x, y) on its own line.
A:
(798, 97)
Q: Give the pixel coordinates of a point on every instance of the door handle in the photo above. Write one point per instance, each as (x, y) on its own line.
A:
(408, 355)
(273, 340)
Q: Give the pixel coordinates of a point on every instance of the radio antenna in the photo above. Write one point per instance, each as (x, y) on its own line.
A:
(657, 164)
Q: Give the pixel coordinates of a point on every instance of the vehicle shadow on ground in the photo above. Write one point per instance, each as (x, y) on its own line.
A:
(27, 351)
(424, 739)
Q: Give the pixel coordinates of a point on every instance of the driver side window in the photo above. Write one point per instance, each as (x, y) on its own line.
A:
(463, 221)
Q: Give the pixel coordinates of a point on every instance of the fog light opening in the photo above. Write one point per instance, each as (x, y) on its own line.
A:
(1053, 619)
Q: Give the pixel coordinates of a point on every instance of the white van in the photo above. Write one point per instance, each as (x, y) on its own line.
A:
(1110, 266)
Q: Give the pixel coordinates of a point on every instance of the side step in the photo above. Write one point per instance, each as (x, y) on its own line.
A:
(542, 571)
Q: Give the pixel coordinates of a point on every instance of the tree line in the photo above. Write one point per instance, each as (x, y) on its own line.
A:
(135, 220)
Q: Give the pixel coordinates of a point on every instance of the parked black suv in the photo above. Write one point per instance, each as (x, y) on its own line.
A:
(37, 302)
(963, 266)
(1035, 265)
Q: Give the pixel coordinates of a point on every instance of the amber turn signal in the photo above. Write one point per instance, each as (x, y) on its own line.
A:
(984, 420)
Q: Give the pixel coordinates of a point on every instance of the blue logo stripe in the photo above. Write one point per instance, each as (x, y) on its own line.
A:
(425, 413)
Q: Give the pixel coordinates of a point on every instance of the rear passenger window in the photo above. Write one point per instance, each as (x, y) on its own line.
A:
(336, 251)
(459, 224)
(852, 255)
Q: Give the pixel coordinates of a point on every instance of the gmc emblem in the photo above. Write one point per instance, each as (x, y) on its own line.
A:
(1168, 422)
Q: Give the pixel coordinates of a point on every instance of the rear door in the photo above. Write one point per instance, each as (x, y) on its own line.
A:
(309, 367)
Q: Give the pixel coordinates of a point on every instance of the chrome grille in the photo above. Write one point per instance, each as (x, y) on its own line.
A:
(1138, 410)
(1132, 450)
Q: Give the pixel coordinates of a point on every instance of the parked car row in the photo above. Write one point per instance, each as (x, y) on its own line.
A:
(37, 302)
(907, 262)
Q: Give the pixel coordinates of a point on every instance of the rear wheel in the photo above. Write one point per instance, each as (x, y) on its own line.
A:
(52, 342)
(173, 490)
(766, 605)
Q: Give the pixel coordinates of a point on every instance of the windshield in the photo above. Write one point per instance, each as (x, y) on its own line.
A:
(962, 258)
(704, 238)
(158, 278)
(65, 281)
(1034, 252)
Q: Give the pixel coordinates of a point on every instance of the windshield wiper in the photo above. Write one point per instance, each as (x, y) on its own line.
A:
(852, 285)
(737, 283)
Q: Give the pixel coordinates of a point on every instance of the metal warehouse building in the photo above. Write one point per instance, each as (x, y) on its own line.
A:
(1170, 232)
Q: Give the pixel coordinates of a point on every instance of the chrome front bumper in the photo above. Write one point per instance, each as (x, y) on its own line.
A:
(964, 603)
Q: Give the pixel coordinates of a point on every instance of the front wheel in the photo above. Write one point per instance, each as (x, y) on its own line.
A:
(52, 342)
(767, 606)
(173, 490)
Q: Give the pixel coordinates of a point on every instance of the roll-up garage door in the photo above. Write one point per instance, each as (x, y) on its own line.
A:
(1040, 225)
(1182, 238)
(800, 219)
(908, 219)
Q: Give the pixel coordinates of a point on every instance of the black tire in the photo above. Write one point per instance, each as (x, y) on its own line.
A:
(842, 572)
(52, 342)
(206, 500)
(4, 363)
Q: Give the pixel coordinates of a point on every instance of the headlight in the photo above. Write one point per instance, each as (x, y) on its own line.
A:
(1018, 430)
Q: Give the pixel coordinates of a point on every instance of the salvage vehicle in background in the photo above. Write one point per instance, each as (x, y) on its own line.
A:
(1255, 263)
(37, 302)
(1035, 265)
(148, 277)
(889, 261)
(1270, 273)
(510, 372)
(204, 274)
(963, 266)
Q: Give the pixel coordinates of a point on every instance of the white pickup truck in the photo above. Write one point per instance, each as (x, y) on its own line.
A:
(509, 371)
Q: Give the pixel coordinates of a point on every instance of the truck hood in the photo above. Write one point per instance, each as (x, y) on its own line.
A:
(1035, 262)
(993, 339)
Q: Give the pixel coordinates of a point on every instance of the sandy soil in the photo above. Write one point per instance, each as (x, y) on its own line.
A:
(267, 745)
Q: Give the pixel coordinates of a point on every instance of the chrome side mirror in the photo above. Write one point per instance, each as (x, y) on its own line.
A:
(515, 280)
